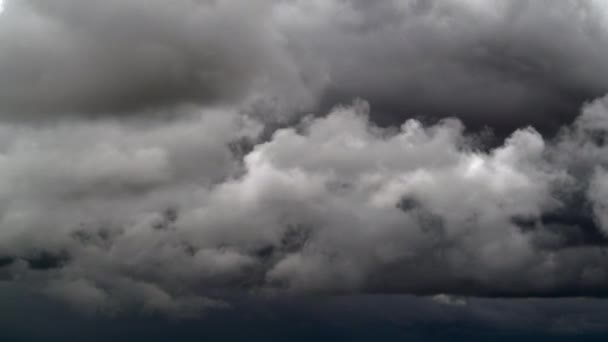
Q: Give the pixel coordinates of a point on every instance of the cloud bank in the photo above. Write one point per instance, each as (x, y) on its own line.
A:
(100, 58)
(335, 204)
(500, 63)
(160, 156)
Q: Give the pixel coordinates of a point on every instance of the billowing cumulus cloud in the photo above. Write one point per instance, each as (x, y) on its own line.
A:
(165, 216)
(142, 164)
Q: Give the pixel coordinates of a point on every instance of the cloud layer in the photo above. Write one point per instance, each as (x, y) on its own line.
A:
(157, 156)
(98, 58)
(500, 63)
(165, 215)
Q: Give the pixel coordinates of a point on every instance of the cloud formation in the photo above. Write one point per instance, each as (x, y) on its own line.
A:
(499, 63)
(156, 156)
(98, 58)
(161, 216)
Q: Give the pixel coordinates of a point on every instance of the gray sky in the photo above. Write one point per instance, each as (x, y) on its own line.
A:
(155, 156)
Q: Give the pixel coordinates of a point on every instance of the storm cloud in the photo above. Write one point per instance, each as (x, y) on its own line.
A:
(98, 58)
(165, 215)
(498, 63)
(160, 156)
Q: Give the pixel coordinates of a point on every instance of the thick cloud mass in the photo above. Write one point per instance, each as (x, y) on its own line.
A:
(155, 155)
(115, 57)
(165, 215)
(503, 63)
(499, 63)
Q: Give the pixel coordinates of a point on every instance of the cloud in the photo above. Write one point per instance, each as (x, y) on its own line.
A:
(165, 216)
(142, 164)
(70, 189)
(499, 63)
(390, 317)
(99, 58)
(444, 299)
(504, 64)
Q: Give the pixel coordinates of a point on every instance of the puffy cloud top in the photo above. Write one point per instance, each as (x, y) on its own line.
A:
(159, 215)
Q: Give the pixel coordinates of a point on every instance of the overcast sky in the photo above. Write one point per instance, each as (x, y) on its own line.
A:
(158, 155)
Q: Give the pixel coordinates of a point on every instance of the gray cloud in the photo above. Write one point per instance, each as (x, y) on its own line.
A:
(503, 63)
(498, 63)
(166, 216)
(118, 57)
(104, 207)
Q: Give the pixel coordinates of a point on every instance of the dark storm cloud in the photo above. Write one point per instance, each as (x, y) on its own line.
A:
(340, 318)
(498, 63)
(213, 197)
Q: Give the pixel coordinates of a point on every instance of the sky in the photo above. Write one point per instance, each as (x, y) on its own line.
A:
(182, 160)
